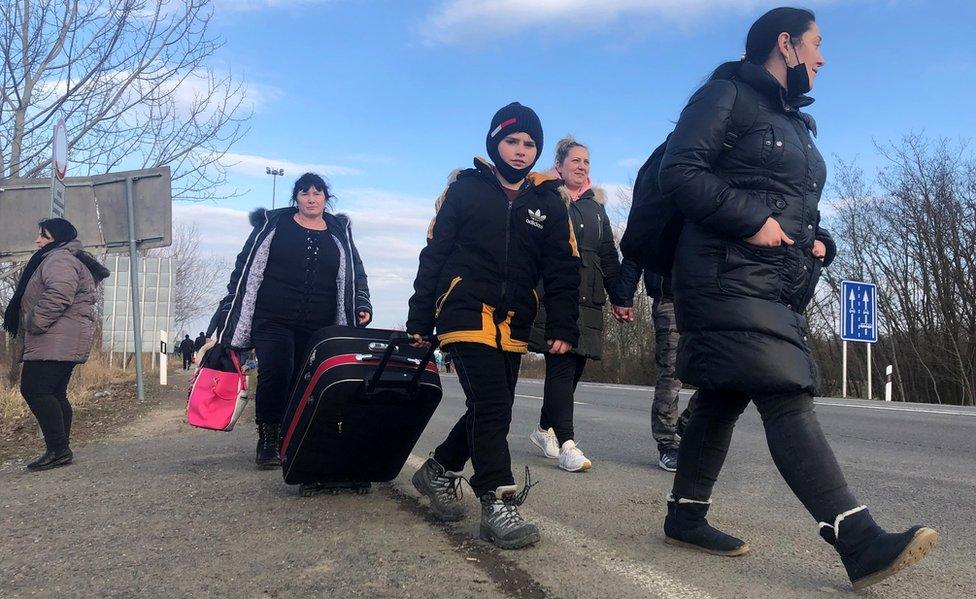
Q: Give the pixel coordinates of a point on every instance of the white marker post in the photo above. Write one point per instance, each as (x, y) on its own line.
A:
(163, 356)
(888, 380)
(843, 384)
(870, 396)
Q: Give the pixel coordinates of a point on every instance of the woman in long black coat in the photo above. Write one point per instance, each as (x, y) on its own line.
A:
(746, 266)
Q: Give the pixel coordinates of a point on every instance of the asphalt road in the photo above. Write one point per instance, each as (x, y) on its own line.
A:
(165, 510)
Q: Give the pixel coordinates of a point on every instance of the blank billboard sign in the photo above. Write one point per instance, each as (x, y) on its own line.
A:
(95, 205)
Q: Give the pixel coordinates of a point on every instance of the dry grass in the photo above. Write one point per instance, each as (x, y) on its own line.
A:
(88, 378)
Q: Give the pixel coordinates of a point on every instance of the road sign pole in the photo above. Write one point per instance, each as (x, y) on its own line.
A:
(843, 384)
(870, 396)
(134, 286)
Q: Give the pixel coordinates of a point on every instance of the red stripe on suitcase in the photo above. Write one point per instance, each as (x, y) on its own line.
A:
(328, 364)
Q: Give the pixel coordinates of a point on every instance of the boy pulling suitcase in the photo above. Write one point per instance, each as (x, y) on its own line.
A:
(499, 230)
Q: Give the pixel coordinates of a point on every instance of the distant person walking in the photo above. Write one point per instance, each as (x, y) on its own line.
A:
(599, 267)
(52, 311)
(186, 349)
(746, 266)
(299, 271)
(200, 341)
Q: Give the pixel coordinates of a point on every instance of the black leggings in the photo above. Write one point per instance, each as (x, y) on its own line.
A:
(796, 442)
(563, 372)
(44, 385)
(279, 348)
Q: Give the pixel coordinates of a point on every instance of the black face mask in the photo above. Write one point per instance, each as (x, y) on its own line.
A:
(507, 171)
(797, 78)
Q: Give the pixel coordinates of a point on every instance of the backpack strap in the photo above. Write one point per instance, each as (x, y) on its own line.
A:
(744, 114)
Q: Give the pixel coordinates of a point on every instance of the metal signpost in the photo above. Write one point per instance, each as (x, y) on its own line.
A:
(59, 167)
(859, 321)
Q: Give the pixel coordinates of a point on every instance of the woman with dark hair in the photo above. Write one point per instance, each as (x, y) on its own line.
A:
(299, 271)
(53, 312)
(599, 267)
(746, 266)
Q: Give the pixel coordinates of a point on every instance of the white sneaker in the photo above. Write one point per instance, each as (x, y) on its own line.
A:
(546, 441)
(572, 459)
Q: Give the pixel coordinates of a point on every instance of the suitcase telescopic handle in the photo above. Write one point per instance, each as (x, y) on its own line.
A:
(396, 339)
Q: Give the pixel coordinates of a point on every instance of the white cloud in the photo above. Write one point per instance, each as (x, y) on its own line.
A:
(255, 166)
(461, 21)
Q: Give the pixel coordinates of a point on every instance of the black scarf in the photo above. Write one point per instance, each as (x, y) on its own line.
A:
(11, 316)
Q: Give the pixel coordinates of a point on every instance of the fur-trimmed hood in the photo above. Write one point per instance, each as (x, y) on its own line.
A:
(598, 194)
(259, 216)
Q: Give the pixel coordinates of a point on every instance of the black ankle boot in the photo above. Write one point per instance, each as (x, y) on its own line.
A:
(266, 454)
(52, 458)
(686, 526)
(868, 552)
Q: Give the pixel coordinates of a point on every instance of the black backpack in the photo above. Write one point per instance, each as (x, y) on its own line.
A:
(655, 222)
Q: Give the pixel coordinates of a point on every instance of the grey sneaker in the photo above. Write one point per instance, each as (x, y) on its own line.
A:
(443, 488)
(669, 460)
(501, 523)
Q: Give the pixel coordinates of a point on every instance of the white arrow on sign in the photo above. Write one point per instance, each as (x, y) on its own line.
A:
(867, 312)
(851, 312)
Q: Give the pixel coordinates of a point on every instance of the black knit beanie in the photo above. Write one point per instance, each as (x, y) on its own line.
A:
(59, 229)
(513, 118)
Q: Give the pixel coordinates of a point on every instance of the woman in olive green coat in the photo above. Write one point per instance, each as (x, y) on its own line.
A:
(599, 268)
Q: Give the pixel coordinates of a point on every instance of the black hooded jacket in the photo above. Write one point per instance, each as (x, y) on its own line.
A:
(738, 306)
(484, 257)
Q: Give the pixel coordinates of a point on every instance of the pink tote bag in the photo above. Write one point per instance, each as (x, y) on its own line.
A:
(217, 398)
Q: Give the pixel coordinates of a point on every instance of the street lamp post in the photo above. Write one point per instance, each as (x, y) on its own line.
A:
(275, 173)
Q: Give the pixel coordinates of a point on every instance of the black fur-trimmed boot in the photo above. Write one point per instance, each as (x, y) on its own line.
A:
(266, 453)
(686, 526)
(870, 554)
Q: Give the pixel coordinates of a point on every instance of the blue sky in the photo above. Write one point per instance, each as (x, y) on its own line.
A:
(387, 97)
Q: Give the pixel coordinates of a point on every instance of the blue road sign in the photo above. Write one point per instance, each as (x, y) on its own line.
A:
(859, 312)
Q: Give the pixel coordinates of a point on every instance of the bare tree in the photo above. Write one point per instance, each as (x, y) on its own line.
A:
(131, 80)
(913, 234)
(199, 277)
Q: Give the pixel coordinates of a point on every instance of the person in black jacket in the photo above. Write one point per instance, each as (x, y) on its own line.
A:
(200, 341)
(498, 229)
(299, 271)
(599, 266)
(746, 265)
(186, 350)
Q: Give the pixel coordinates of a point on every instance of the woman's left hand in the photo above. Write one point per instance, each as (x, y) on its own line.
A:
(819, 250)
(364, 317)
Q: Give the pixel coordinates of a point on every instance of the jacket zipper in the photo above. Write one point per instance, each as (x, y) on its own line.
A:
(352, 266)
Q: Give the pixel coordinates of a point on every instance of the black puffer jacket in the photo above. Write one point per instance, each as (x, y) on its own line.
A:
(739, 307)
(599, 268)
(484, 257)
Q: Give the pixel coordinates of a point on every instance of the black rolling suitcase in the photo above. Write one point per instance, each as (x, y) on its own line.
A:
(361, 400)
